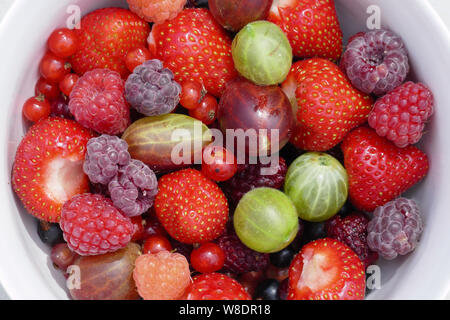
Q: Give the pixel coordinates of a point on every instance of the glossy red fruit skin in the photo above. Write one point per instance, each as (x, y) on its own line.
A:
(207, 258)
(155, 244)
(233, 15)
(138, 227)
(48, 89)
(192, 93)
(218, 163)
(206, 110)
(36, 108)
(215, 286)
(63, 42)
(62, 257)
(245, 105)
(136, 57)
(53, 68)
(68, 83)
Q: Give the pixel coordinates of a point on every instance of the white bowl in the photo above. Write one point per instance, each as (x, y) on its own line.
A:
(25, 269)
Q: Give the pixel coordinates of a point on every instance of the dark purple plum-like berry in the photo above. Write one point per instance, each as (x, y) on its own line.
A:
(267, 290)
(376, 61)
(50, 233)
(104, 157)
(238, 257)
(395, 228)
(60, 108)
(152, 90)
(134, 188)
(352, 231)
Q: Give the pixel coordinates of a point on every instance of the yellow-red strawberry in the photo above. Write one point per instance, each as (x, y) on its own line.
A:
(191, 207)
(379, 171)
(48, 167)
(195, 47)
(311, 26)
(326, 105)
(326, 269)
(105, 38)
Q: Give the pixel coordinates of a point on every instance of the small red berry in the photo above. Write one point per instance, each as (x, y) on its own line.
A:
(209, 257)
(138, 227)
(63, 42)
(192, 94)
(48, 89)
(136, 57)
(36, 108)
(153, 227)
(218, 163)
(155, 244)
(53, 68)
(67, 84)
(62, 257)
(206, 111)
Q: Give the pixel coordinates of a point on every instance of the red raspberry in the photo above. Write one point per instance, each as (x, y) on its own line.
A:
(161, 276)
(401, 114)
(97, 102)
(352, 231)
(215, 286)
(93, 226)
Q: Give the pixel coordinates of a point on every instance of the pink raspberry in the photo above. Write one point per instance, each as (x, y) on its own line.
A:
(97, 102)
(156, 11)
(400, 115)
(161, 276)
(92, 225)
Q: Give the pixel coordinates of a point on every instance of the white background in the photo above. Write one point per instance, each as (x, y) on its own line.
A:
(441, 6)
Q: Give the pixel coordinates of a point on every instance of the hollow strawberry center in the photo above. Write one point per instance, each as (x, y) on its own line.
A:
(318, 272)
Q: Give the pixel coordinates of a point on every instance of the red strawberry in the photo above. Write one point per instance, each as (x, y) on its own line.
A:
(48, 168)
(191, 207)
(378, 170)
(215, 286)
(105, 37)
(326, 269)
(326, 104)
(311, 26)
(195, 47)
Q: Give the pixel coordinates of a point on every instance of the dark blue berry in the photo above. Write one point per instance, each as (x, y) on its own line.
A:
(267, 290)
(283, 258)
(50, 233)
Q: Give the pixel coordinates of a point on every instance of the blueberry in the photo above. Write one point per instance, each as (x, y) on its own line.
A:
(267, 290)
(49, 233)
(283, 258)
(314, 231)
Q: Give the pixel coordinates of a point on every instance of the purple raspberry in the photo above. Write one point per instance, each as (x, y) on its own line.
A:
(134, 188)
(152, 90)
(104, 156)
(395, 228)
(376, 61)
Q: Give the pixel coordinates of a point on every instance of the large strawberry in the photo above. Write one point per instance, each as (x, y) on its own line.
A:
(195, 47)
(326, 269)
(105, 37)
(326, 105)
(378, 170)
(311, 26)
(48, 168)
(191, 207)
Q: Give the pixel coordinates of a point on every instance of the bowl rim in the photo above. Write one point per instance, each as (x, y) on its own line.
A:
(12, 275)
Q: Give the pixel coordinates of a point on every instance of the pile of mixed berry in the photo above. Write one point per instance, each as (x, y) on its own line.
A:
(97, 167)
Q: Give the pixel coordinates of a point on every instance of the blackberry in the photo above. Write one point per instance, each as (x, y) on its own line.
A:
(249, 177)
(152, 90)
(134, 188)
(352, 231)
(395, 228)
(376, 61)
(104, 156)
(238, 257)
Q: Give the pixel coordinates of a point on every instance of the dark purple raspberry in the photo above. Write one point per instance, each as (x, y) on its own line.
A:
(134, 188)
(152, 90)
(352, 231)
(60, 108)
(376, 61)
(104, 156)
(395, 228)
(249, 177)
(400, 115)
(238, 257)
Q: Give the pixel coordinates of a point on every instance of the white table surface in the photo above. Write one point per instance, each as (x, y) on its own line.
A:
(441, 6)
